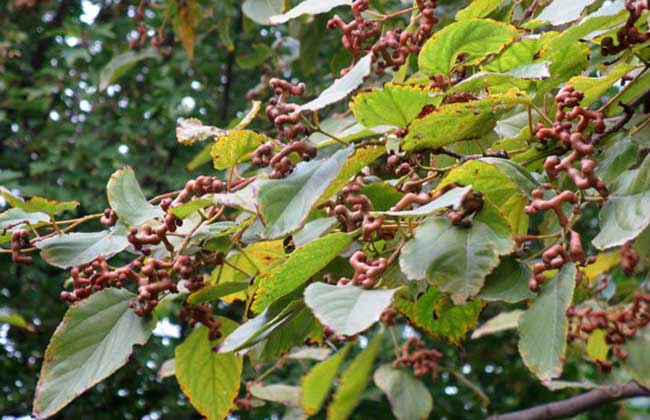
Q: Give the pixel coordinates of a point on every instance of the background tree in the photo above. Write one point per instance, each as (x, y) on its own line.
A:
(89, 87)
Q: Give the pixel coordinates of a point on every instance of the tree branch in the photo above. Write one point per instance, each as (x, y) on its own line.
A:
(578, 404)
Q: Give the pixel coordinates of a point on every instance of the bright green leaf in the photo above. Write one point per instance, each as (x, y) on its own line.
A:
(597, 347)
(235, 147)
(474, 38)
(317, 382)
(478, 9)
(38, 204)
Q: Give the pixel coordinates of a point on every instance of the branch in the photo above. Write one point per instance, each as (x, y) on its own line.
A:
(578, 404)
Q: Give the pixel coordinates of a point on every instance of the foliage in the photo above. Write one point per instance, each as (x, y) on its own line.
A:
(441, 167)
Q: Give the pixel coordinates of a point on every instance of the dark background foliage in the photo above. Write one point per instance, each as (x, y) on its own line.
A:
(60, 137)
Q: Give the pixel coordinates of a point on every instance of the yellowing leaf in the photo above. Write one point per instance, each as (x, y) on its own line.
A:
(187, 19)
(597, 347)
(235, 147)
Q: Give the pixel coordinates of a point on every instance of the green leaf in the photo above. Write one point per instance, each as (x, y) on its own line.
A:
(393, 105)
(454, 259)
(502, 322)
(191, 130)
(261, 11)
(637, 363)
(257, 329)
(594, 88)
(280, 393)
(597, 346)
(128, 201)
(18, 218)
(213, 292)
(354, 381)
(452, 123)
(518, 78)
(13, 318)
(560, 12)
(38, 204)
(450, 199)
(210, 380)
(310, 353)
(359, 159)
(302, 263)
(121, 64)
(308, 7)
(314, 230)
(317, 383)
(508, 282)
(520, 53)
(434, 313)
(348, 310)
(94, 339)
(70, 249)
(625, 214)
(474, 38)
(382, 195)
(235, 147)
(341, 87)
(504, 183)
(543, 327)
(478, 9)
(284, 204)
(409, 398)
(186, 209)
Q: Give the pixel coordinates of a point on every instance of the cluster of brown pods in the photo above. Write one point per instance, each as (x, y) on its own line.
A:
(393, 48)
(576, 139)
(415, 355)
(619, 325)
(628, 35)
(163, 43)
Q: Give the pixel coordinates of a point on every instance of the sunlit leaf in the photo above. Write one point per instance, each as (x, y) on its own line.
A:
(235, 147)
(308, 7)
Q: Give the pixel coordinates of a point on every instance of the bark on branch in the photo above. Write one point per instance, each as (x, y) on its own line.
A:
(578, 404)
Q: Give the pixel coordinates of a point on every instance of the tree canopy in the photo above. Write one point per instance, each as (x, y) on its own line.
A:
(332, 209)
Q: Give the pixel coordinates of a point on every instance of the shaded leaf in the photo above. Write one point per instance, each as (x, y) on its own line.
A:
(508, 282)
(637, 363)
(167, 369)
(409, 398)
(70, 249)
(210, 380)
(185, 23)
(128, 201)
(543, 327)
(284, 204)
(186, 209)
(317, 383)
(341, 87)
(625, 214)
(354, 381)
(13, 318)
(434, 313)
(347, 310)
(280, 393)
(213, 292)
(121, 64)
(94, 339)
(501, 322)
(310, 353)
(261, 11)
(454, 259)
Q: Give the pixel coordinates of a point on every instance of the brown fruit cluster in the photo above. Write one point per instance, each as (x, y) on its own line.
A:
(388, 316)
(579, 142)
(423, 361)
(394, 47)
(629, 258)
(618, 324)
(628, 35)
(20, 241)
(201, 314)
(163, 43)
